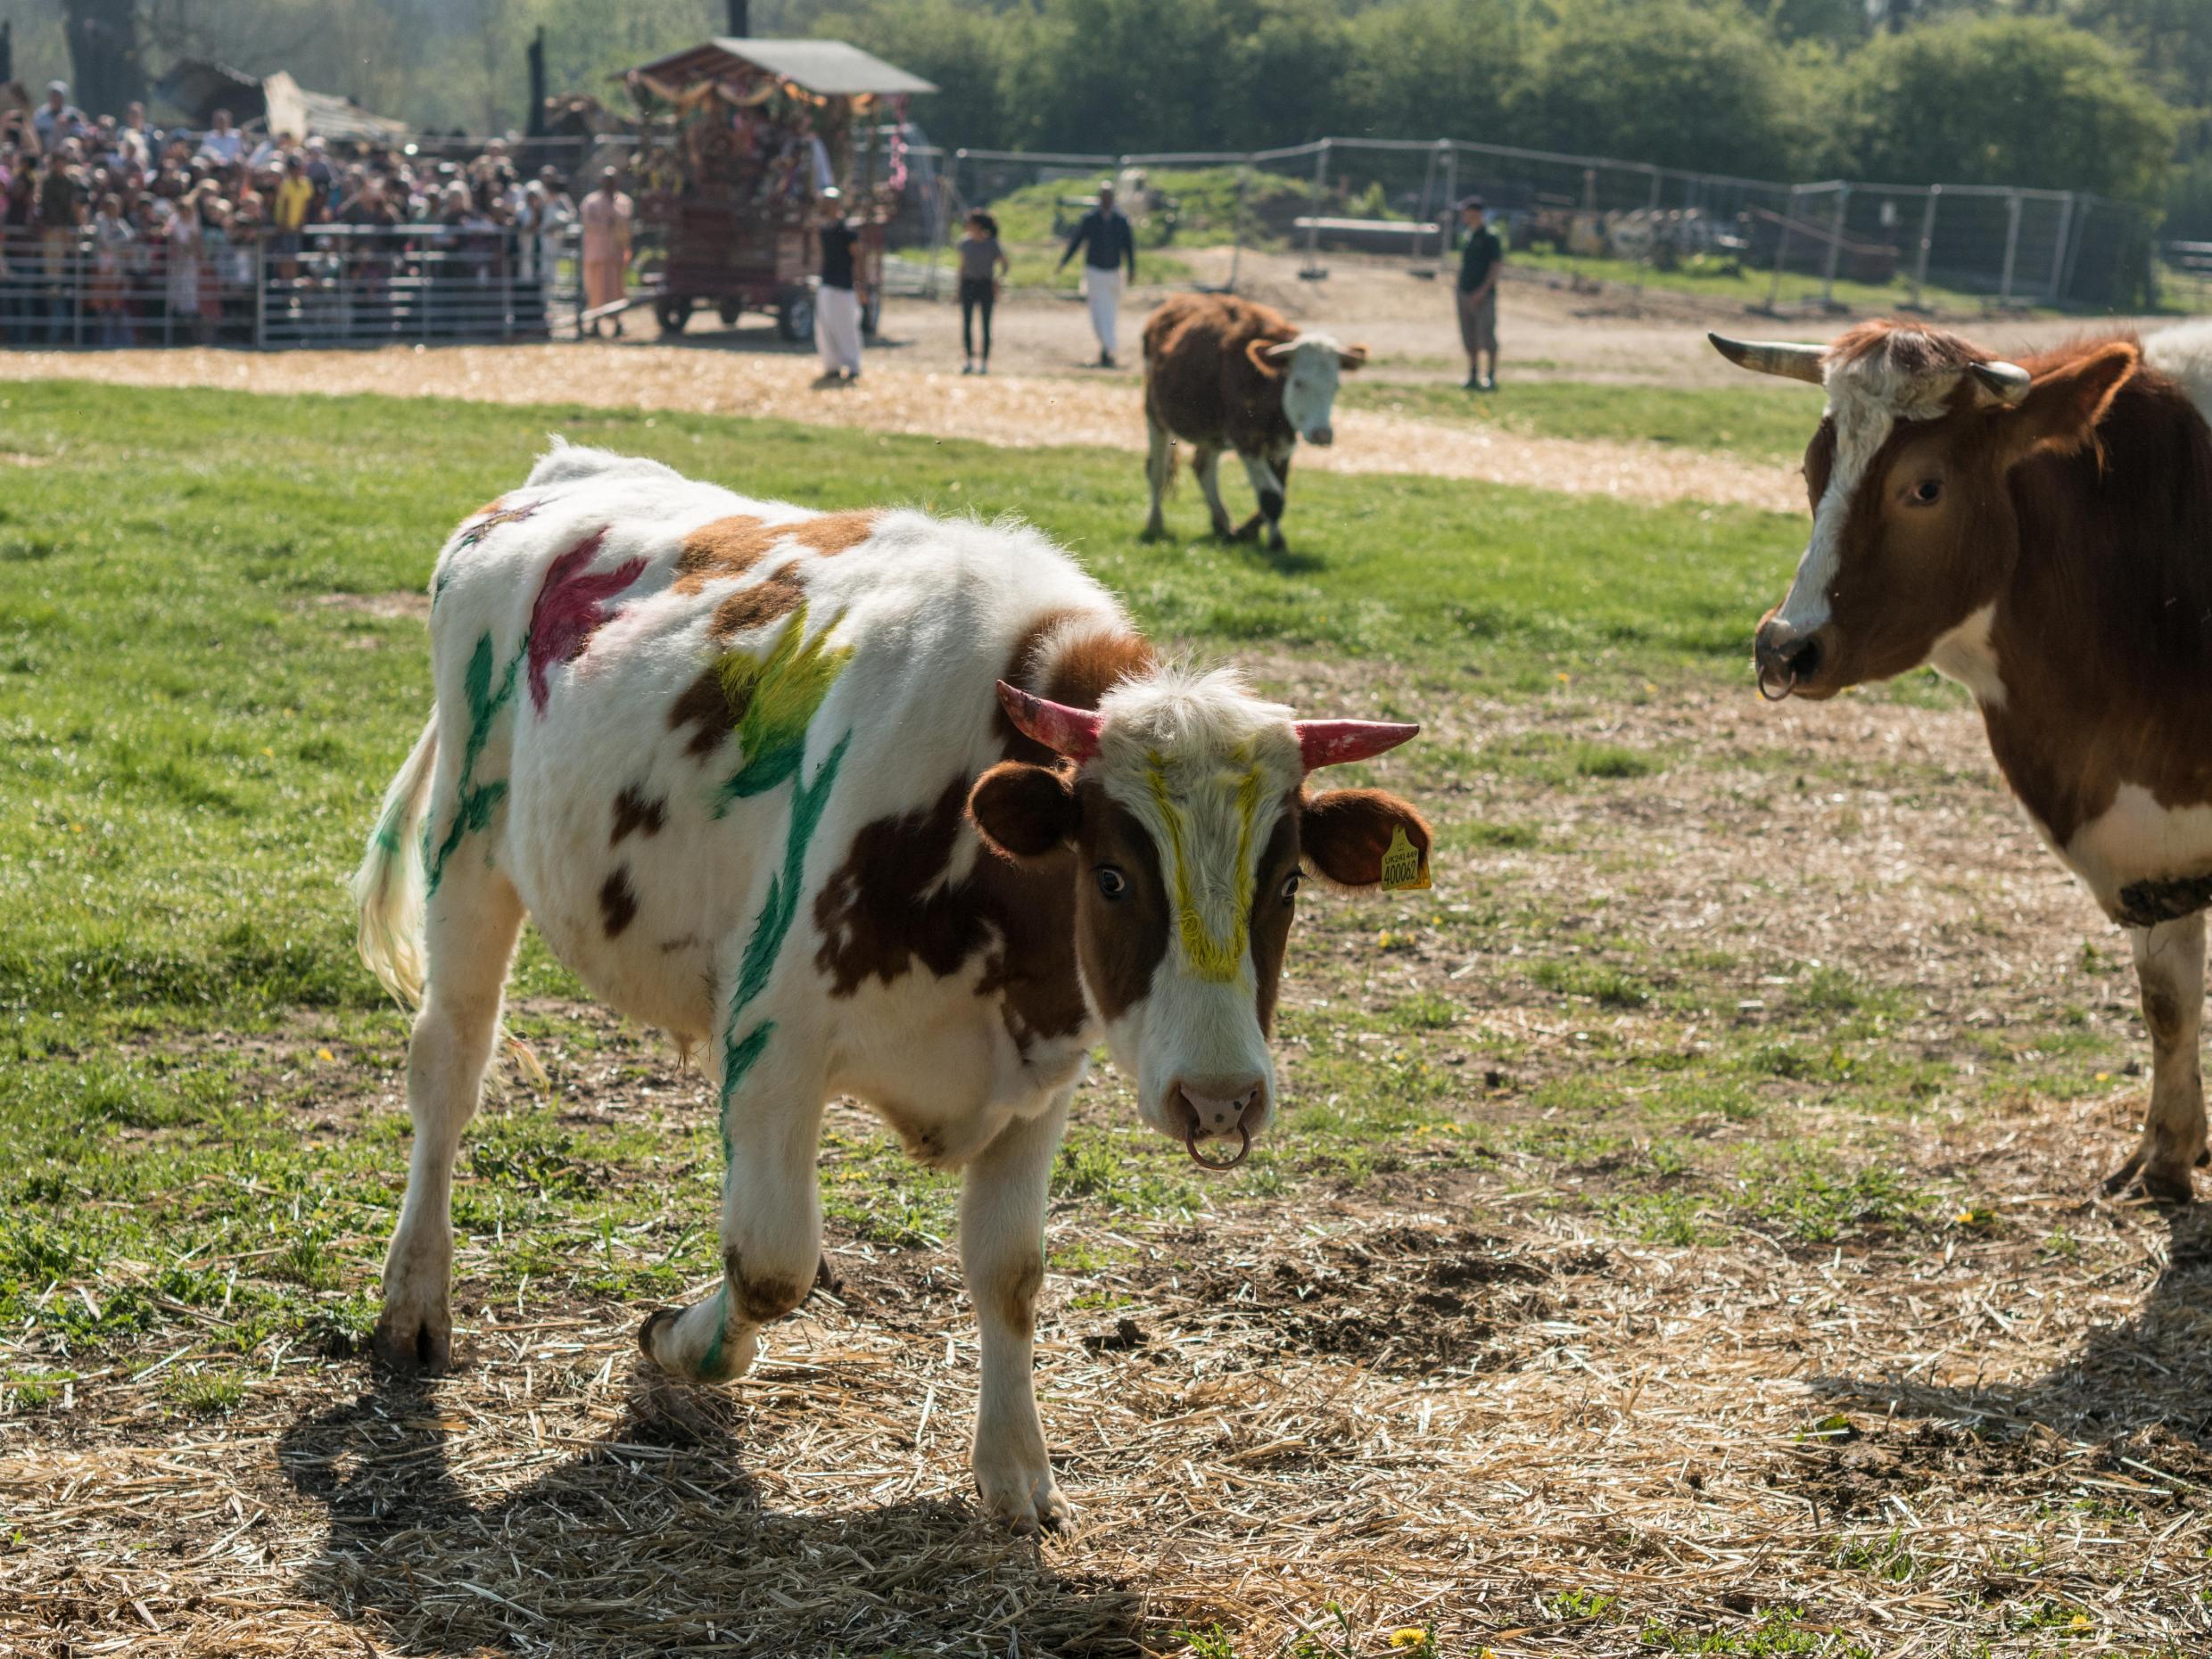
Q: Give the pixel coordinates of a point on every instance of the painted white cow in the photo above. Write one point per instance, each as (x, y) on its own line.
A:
(865, 803)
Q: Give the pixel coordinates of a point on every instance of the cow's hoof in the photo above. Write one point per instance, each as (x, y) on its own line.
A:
(413, 1339)
(709, 1353)
(1277, 544)
(2162, 1180)
(1152, 532)
(1249, 531)
(1025, 1502)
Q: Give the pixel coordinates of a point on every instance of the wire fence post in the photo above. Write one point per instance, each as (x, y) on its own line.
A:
(1236, 223)
(1313, 215)
(1834, 248)
(1781, 251)
(1448, 221)
(2012, 248)
(1927, 241)
(2058, 249)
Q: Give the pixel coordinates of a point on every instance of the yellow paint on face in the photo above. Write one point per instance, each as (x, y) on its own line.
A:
(1210, 957)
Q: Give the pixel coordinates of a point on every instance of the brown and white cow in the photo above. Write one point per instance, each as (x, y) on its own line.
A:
(2040, 532)
(1222, 373)
(865, 803)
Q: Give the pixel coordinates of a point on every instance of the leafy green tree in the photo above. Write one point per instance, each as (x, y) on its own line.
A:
(966, 49)
(1666, 81)
(1437, 69)
(2004, 101)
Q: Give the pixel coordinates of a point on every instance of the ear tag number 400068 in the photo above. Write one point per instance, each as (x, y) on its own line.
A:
(1405, 870)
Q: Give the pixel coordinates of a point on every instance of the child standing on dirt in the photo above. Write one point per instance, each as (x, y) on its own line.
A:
(1480, 262)
(981, 261)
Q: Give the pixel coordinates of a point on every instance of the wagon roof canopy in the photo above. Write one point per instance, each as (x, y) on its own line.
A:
(829, 69)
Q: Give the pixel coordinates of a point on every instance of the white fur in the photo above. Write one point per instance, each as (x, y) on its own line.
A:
(930, 612)
(1867, 397)
(2183, 354)
(1310, 374)
(2138, 839)
(1966, 655)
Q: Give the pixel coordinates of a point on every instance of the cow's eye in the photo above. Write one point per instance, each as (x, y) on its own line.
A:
(1926, 494)
(1112, 884)
(1290, 886)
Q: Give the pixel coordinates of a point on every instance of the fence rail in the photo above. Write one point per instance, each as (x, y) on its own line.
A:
(1817, 244)
(326, 285)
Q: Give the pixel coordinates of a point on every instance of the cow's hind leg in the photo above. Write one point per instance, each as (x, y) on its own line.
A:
(773, 1092)
(2169, 972)
(1002, 1251)
(1206, 463)
(469, 928)
(1159, 466)
(1270, 487)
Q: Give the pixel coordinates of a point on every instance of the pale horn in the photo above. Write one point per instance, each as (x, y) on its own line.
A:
(2005, 381)
(1786, 358)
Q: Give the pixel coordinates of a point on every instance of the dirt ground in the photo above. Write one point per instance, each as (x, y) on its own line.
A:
(1040, 393)
(1452, 1393)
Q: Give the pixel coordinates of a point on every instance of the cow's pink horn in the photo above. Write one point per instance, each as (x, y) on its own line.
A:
(1333, 742)
(1064, 730)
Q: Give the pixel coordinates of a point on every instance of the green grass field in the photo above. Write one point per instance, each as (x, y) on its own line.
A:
(1677, 998)
(1751, 420)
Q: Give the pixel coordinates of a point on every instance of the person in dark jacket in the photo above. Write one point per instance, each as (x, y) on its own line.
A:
(1480, 259)
(1108, 244)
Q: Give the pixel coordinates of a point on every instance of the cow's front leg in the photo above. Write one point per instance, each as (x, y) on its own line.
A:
(469, 928)
(1159, 463)
(1206, 466)
(1002, 1251)
(2169, 972)
(771, 1214)
(1268, 486)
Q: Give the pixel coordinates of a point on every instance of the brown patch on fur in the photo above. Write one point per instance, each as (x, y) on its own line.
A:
(767, 600)
(1344, 834)
(1023, 811)
(886, 911)
(832, 534)
(635, 810)
(618, 902)
(1122, 940)
(1272, 913)
(1201, 381)
(1017, 1297)
(730, 547)
(1910, 348)
(758, 1298)
(704, 704)
(1084, 667)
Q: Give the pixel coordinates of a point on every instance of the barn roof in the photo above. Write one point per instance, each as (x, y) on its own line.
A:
(831, 69)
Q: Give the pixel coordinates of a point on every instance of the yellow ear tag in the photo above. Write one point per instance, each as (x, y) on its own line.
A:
(1404, 869)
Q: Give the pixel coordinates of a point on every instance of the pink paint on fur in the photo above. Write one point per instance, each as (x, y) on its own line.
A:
(571, 609)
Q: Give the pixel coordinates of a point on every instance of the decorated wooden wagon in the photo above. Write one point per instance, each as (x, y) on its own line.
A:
(742, 138)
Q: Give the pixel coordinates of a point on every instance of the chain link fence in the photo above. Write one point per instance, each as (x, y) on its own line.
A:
(1781, 248)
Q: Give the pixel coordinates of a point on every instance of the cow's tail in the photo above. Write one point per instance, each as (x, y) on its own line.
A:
(389, 887)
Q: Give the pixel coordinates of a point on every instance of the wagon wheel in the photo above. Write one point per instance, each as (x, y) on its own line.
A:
(672, 312)
(795, 316)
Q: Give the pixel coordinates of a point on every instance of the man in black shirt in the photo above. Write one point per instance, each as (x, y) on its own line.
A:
(1480, 259)
(836, 304)
(1107, 241)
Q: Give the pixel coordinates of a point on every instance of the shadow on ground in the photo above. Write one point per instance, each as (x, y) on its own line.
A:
(2132, 1405)
(653, 1538)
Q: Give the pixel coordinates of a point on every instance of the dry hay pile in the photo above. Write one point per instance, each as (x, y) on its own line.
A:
(1528, 1437)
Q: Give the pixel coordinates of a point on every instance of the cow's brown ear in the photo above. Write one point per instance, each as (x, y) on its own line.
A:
(1255, 354)
(1344, 834)
(2060, 412)
(1024, 811)
(1351, 357)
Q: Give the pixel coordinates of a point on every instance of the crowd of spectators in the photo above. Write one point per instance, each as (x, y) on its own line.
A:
(115, 233)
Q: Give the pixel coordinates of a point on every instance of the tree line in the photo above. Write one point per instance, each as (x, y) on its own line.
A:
(2108, 96)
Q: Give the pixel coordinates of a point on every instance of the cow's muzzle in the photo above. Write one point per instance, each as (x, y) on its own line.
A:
(1787, 658)
(1322, 437)
(1211, 1108)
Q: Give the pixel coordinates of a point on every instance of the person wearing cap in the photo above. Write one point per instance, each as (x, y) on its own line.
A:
(1481, 257)
(836, 302)
(56, 118)
(1108, 244)
(605, 216)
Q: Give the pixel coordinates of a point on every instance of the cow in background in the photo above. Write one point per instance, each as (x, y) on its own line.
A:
(2040, 532)
(1222, 373)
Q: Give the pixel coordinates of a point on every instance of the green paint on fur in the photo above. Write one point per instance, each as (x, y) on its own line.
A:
(476, 802)
(710, 1362)
(777, 696)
